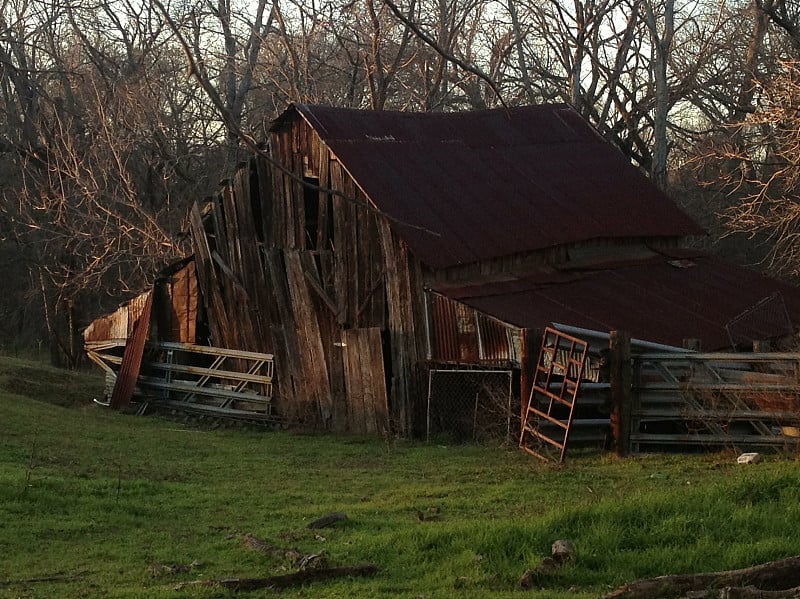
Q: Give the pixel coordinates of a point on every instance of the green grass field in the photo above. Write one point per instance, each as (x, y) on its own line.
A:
(106, 504)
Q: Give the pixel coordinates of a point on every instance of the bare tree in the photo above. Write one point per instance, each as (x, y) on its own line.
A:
(102, 145)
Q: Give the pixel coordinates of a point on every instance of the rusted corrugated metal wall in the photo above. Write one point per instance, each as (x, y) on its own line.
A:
(459, 334)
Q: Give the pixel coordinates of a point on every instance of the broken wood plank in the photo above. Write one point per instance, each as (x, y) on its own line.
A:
(354, 384)
(749, 592)
(132, 359)
(266, 201)
(311, 274)
(324, 207)
(342, 256)
(209, 282)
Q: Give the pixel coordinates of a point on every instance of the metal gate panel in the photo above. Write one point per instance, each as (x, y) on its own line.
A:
(557, 378)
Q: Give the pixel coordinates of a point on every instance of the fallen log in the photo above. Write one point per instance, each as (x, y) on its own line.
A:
(780, 575)
(743, 593)
(284, 581)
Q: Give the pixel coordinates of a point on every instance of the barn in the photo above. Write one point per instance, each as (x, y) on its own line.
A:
(364, 250)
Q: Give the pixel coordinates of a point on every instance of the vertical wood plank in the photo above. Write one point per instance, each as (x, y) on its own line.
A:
(312, 354)
(207, 279)
(332, 340)
(340, 240)
(323, 234)
(372, 370)
(401, 311)
(265, 191)
(183, 301)
(291, 388)
(250, 265)
(365, 381)
(353, 248)
(279, 217)
(353, 382)
(418, 384)
(531, 345)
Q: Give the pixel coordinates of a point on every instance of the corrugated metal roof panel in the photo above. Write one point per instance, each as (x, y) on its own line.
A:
(495, 182)
(461, 335)
(658, 299)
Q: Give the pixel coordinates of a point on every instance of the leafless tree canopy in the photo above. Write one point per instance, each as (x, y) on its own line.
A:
(117, 114)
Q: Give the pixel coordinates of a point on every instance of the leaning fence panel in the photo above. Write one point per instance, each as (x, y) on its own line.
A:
(721, 399)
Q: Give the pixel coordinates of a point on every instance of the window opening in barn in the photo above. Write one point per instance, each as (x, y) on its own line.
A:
(311, 210)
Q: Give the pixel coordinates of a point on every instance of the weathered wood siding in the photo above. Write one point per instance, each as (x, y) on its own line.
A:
(289, 267)
(117, 324)
(367, 404)
(175, 305)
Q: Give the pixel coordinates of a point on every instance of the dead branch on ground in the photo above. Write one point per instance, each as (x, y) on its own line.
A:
(284, 581)
(782, 576)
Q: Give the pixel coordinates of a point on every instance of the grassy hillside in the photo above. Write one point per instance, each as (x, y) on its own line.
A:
(122, 506)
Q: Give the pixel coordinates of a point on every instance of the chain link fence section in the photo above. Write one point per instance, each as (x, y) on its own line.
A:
(470, 405)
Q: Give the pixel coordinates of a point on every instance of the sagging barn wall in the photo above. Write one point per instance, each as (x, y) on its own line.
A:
(319, 279)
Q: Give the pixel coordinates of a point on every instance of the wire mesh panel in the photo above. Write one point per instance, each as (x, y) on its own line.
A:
(469, 405)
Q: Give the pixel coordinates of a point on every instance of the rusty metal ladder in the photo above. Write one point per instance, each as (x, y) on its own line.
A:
(551, 405)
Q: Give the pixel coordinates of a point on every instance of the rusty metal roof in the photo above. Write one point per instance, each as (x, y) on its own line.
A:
(660, 299)
(495, 182)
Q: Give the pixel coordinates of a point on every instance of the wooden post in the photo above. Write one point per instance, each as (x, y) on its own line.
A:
(620, 378)
(531, 346)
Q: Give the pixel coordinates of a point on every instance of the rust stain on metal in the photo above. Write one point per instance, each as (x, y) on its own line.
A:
(460, 335)
(495, 346)
(132, 358)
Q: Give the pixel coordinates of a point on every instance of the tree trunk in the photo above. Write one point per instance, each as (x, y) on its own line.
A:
(662, 46)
